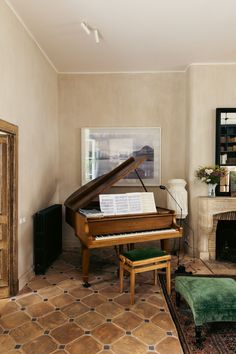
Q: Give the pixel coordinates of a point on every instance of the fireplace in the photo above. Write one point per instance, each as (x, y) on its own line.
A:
(226, 240)
(217, 228)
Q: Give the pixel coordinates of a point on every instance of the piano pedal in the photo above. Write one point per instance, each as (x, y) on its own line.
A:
(86, 285)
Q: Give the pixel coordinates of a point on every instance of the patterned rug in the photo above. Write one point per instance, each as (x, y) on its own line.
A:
(219, 337)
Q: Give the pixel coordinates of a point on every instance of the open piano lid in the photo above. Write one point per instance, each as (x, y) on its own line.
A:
(99, 185)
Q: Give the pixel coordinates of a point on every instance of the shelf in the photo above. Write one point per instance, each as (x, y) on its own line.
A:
(228, 142)
(228, 134)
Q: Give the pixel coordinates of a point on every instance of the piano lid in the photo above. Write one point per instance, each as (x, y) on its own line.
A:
(99, 185)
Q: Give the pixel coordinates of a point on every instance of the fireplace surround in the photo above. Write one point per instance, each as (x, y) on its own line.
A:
(210, 210)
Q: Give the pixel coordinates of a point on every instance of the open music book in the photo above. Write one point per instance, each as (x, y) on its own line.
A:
(127, 203)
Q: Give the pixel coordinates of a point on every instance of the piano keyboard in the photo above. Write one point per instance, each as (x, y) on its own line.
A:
(137, 233)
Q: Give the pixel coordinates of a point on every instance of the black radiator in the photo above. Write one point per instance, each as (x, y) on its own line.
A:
(47, 237)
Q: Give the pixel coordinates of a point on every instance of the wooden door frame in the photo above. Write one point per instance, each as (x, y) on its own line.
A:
(12, 130)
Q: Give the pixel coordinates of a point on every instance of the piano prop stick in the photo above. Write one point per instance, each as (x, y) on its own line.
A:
(97, 230)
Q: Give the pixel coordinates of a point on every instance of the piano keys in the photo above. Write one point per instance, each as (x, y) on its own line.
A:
(144, 234)
(96, 230)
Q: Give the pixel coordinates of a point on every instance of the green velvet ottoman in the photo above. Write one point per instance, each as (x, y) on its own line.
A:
(210, 299)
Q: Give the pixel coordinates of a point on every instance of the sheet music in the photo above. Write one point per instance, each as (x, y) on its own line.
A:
(107, 204)
(148, 202)
(127, 203)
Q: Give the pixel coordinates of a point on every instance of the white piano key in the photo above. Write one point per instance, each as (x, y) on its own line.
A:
(140, 233)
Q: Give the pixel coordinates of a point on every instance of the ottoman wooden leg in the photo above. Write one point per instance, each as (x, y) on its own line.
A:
(198, 332)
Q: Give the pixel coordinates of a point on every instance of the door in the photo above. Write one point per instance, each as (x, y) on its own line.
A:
(4, 216)
(8, 209)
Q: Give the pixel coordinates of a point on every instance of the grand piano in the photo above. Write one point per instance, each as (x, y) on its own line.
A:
(95, 230)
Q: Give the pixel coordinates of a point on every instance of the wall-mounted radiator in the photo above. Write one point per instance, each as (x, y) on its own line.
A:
(47, 237)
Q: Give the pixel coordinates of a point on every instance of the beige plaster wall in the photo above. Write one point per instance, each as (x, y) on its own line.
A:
(28, 98)
(120, 100)
(208, 87)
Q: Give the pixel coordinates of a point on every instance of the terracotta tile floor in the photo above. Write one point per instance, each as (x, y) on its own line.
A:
(54, 313)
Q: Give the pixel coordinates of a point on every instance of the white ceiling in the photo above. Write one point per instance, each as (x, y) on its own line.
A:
(137, 35)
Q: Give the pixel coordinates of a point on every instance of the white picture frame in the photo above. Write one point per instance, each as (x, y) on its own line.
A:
(105, 148)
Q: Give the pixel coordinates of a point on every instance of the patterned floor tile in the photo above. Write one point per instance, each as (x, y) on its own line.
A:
(50, 291)
(164, 321)
(90, 320)
(26, 332)
(128, 345)
(69, 284)
(80, 292)
(157, 300)
(43, 344)
(38, 283)
(128, 321)
(123, 300)
(107, 333)
(109, 309)
(74, 274)
(14, 320)
(61, 300)
(67, 333)
(52, 320)
(40, 309)
(110, 291)
(85, 344)
(8, 307)
(29, 299)
(75, 309)
(169, 345)
(94, 300)
(149, 333)
(99, 284)
(55, 278)
(6, 343)
(145, 310)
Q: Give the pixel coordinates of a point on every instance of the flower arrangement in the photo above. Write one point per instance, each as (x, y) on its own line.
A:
(211, 174)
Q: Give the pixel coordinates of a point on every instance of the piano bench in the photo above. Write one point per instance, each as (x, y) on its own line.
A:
(143, 260)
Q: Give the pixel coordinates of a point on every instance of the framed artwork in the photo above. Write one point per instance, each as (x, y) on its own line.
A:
(105, 148)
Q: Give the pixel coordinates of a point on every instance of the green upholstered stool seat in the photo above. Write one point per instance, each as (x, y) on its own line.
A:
(210, 299)
(143, 253)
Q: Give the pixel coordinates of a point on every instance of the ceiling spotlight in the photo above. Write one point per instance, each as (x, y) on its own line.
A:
(85, 27)
(96, 36)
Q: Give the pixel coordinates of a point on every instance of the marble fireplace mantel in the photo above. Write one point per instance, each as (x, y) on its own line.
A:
(207, 208)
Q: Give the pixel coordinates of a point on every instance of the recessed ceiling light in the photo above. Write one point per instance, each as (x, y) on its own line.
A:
(85, 27)
(96, 36)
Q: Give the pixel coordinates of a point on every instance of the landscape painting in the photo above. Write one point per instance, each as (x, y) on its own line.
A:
(105, 148)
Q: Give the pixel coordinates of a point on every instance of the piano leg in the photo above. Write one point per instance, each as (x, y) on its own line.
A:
(166, 245)
(85, 265)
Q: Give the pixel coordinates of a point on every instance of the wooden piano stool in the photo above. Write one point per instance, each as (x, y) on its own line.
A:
(143, 260)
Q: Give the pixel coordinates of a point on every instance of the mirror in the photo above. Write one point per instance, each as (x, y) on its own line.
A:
(226, 149)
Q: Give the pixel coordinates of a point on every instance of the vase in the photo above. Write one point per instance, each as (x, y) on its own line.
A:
(177, 199)
(212, 189)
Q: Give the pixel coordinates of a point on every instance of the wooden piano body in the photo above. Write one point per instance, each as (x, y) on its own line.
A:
(104, 231)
